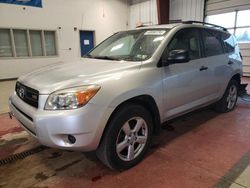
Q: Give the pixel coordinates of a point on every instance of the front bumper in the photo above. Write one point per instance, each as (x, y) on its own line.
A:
(52, 128)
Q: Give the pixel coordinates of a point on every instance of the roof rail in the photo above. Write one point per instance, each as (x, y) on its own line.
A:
(204, 23)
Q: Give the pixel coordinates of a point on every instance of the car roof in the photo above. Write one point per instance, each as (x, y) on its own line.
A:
(163, 26)
(189, 23)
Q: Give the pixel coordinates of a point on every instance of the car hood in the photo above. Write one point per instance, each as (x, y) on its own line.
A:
(83, 72)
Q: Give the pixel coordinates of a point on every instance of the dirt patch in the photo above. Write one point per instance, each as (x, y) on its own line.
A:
(55, 155)
(12, 130)
(9, 143)
(41, 176)
(67, 166)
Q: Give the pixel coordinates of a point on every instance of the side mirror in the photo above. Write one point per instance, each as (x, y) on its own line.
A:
(174, 56)
(178, 56)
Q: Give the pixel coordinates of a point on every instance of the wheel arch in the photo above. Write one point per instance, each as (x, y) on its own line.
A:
(148, 103)
(237, 77)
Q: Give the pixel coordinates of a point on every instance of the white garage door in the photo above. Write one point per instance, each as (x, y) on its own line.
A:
(234, 15)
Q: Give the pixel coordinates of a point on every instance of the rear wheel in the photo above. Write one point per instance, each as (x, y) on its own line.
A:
(229, 99)
(127, 137)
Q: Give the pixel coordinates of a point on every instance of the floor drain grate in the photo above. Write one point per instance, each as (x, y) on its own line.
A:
(22, 155)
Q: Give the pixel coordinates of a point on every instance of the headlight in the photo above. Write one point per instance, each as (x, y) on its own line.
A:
(71, 98)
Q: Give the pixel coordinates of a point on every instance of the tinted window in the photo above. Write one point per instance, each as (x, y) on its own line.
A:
(229, 42)
(212, 43)
(186, 39)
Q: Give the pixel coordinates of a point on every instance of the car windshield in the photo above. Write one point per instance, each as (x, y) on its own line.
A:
(135, 45)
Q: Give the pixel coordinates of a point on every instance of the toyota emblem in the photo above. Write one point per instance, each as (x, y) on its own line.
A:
(21, 92)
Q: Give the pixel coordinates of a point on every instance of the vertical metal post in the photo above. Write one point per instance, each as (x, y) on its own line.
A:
(13, 47)
(29, 43)
(43, 44)
(235, 21)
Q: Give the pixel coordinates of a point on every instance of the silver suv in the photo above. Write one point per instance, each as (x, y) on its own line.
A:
(118, 95)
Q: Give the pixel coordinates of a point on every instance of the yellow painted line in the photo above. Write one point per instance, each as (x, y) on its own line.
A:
(244, 178)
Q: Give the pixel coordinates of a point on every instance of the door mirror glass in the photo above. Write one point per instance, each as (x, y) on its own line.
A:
(183, 47)
(178, 56)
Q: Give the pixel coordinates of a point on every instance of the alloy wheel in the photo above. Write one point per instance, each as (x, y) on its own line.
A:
(132, 139)
(232, 97)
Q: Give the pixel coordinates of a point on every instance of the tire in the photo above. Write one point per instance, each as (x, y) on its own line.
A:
(127, 137)
(228, 102)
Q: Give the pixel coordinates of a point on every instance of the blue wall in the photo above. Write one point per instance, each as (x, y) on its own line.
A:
(34, 3)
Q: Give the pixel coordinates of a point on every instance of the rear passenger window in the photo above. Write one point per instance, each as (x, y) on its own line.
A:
(212, 43)
(229, 42)
(186, 39)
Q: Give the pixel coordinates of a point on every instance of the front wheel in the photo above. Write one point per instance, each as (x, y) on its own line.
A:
(229, 99)
(127, 137)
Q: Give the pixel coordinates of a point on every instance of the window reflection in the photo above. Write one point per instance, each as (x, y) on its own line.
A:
(237, 24)
(243, 34)
(243, 18)
(226, 20)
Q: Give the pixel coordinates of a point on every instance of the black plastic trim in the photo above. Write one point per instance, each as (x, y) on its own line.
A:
(30, 118)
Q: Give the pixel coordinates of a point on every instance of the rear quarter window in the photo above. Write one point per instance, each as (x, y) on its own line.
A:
(229, 42)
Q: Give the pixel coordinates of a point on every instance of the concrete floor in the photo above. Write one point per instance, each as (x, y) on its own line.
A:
(202, 149)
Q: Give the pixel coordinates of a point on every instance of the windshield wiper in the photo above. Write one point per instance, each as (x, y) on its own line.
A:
(133, 58)
(105, 57)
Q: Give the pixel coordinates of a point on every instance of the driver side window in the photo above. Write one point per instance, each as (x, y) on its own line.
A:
(186, 39)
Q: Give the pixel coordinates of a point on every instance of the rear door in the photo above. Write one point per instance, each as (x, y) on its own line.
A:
(217, 62)
(232, 51)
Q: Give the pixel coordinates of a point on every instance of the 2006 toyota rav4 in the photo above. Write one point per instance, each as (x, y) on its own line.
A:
(113, 100)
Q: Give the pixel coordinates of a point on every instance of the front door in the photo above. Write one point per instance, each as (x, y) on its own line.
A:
(86, 41)
(185, 85)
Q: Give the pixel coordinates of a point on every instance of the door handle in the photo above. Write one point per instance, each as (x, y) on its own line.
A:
(230, 62)
(203, 68)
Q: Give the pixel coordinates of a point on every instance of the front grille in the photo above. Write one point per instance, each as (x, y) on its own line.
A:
(27, 94)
